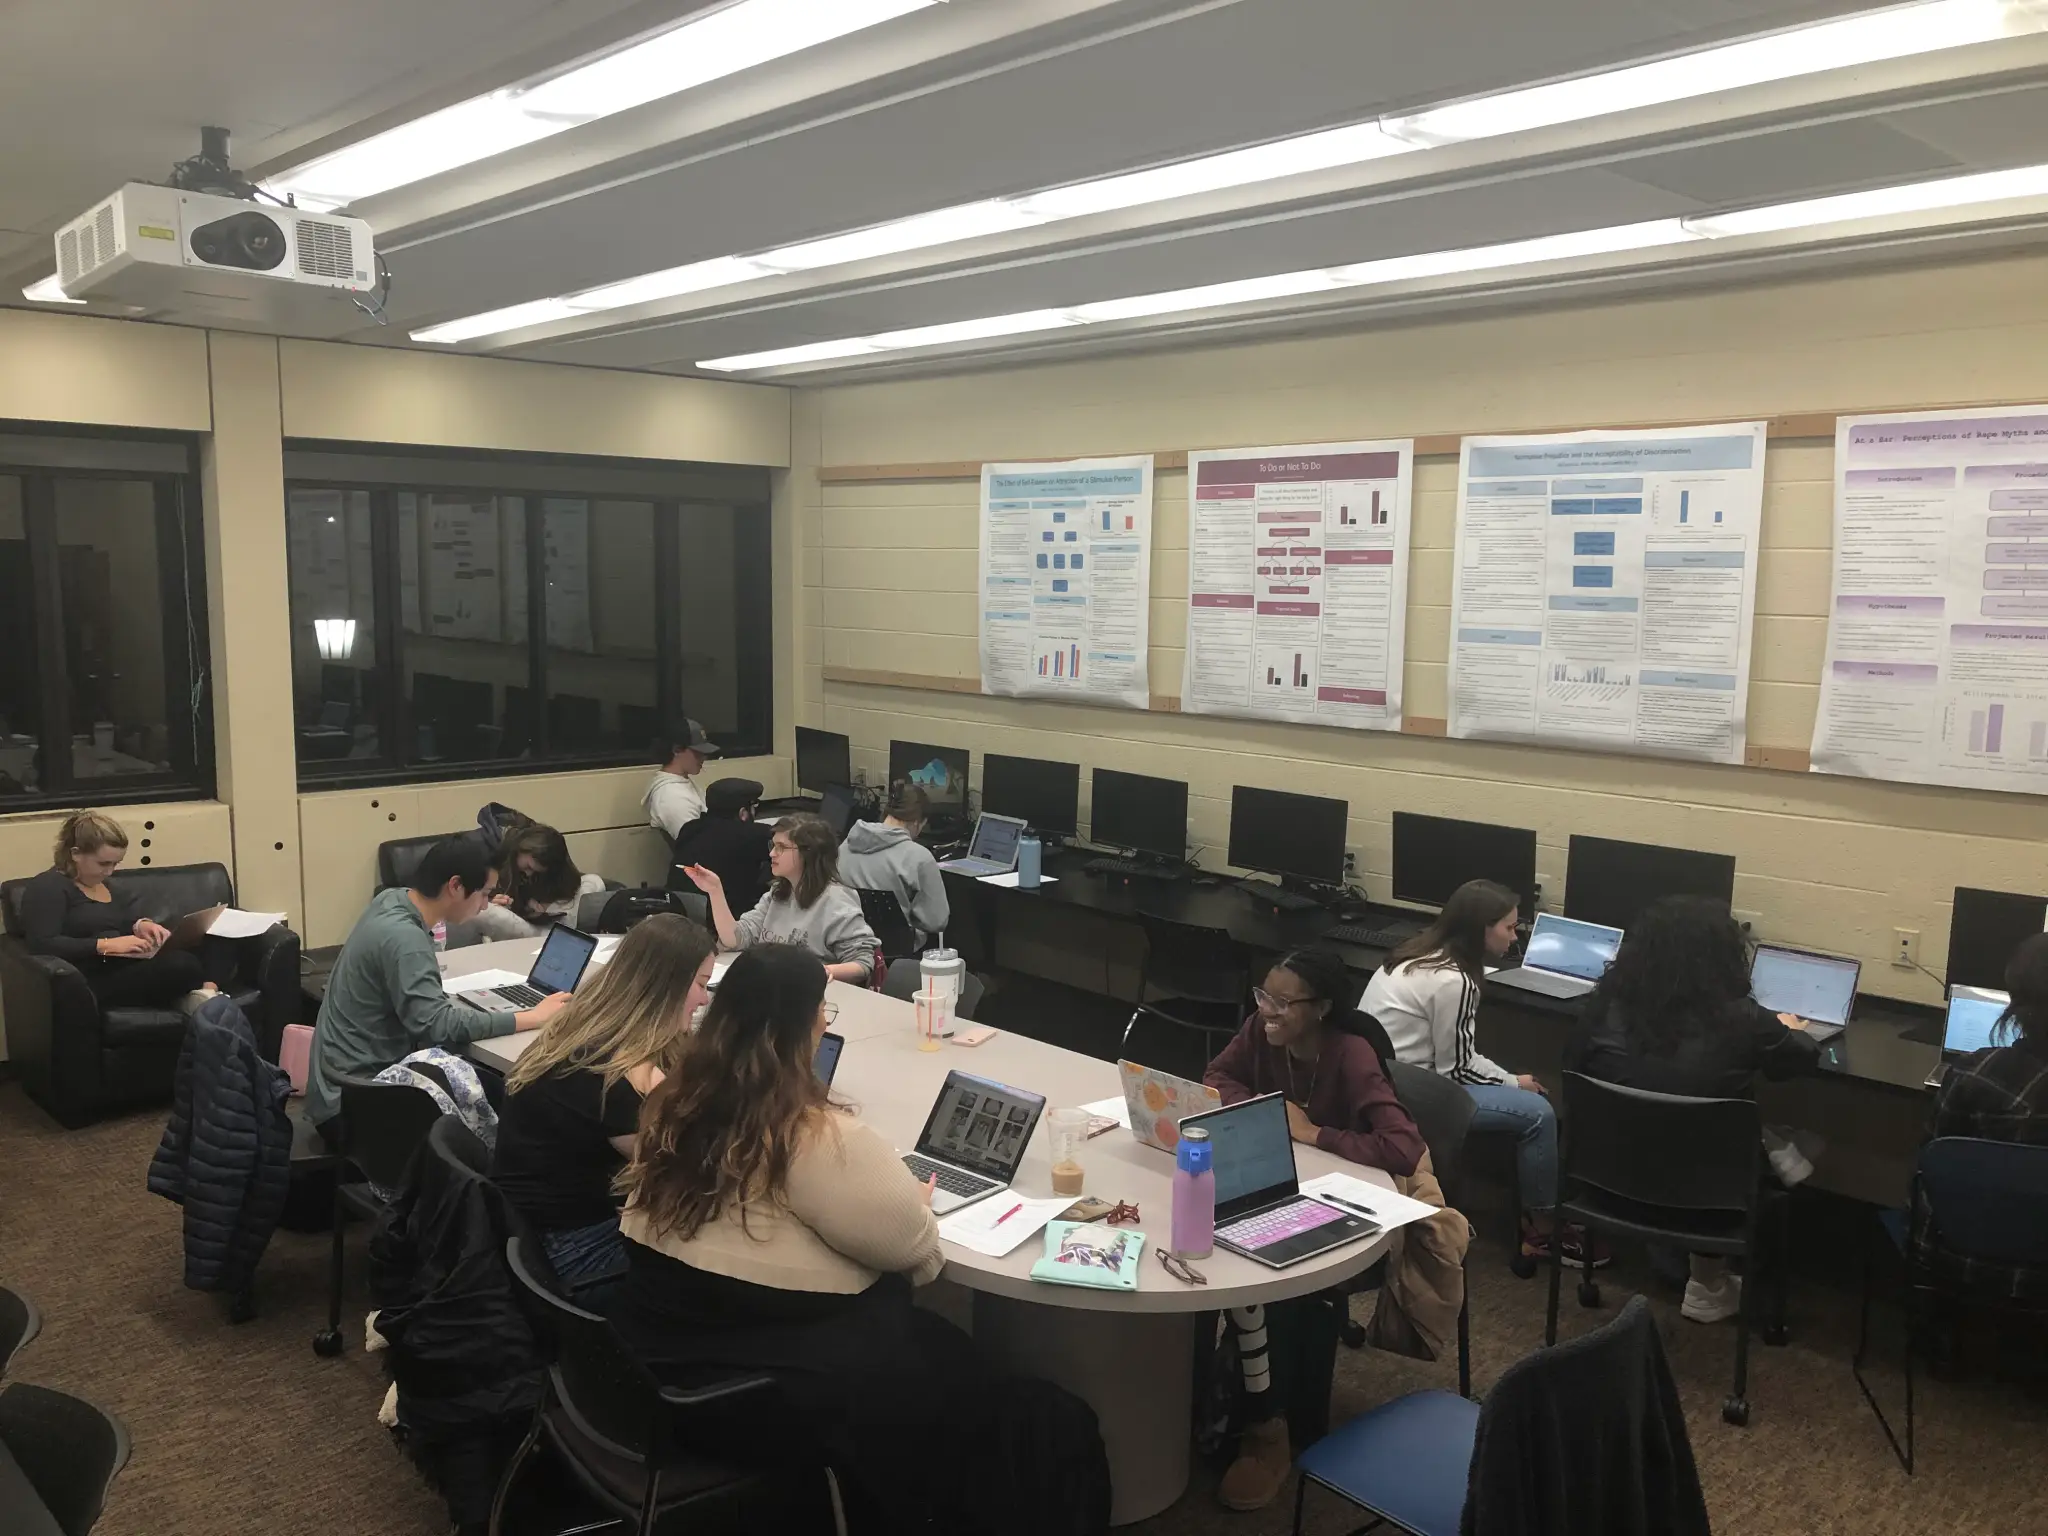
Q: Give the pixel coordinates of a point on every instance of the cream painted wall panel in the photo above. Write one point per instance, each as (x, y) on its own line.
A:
(1788, 648)
(932, 613)
(388, 395)
(894, 570)
(111, 373)
(1795, 581)
(918, 528)
(339, 831)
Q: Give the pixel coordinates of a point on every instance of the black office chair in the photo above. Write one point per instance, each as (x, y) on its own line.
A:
(19, 1323)
(1664, 1169)
(68, 1450)
(1196, 976)
(1987, 1205)
(885, 915)
(398, 858)
(382, 1126)
(905, 978)
(641, 1450)
(694, 905)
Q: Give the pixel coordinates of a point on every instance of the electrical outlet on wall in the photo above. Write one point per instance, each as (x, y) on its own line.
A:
(1750, 921)
(1906, 947)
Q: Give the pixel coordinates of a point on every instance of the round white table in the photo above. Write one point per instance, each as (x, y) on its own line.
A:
(1128, 1354)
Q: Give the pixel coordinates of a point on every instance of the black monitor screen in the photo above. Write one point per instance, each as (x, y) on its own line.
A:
(941, 772)
(1136, 811)
(1983, 931)
(1609, 882)
(1045, 794)
(1284, 834)
(1434, 855)
(822, 758)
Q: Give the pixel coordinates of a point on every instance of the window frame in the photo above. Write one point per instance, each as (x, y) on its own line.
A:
(753, 636)
(187, 703)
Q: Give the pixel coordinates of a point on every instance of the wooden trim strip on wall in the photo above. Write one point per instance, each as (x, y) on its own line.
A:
(1809, 424)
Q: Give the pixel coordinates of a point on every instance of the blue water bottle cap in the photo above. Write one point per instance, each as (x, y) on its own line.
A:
(1193, 1153)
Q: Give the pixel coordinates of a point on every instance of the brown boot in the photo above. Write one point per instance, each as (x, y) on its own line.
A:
(1263, 1461)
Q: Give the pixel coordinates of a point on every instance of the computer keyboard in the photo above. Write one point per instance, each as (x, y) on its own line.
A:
(1290, 1220)
(1279, 896)
(1109, 866)
(951, 1180)
(521, 995)
(1372, 938)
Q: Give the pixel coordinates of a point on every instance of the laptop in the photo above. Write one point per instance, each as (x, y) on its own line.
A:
(557, 968)
(827, 1060)
(1821, 989)
(1261, 1213)
(837, 808)
(1158, 1102)
(974, 1139)
(993, 850)
(1563, 957)
(1973, 1013)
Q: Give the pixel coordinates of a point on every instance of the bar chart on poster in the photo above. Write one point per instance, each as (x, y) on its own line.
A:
(1066, 561)
(1937, 660)
(1297, 582)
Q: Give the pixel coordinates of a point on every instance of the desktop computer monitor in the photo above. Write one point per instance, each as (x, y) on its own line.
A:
(1984, 929)
(1434, 855)
(1136, 811)
(1609, 882)
(823, 758)
(941, 772)
(1301, 836)
(1044, 794)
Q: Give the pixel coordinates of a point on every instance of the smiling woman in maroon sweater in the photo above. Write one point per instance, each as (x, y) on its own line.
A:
(1337, 1099)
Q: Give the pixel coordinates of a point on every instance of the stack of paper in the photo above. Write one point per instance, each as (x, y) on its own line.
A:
(1361, 1198)
(234, 923)
(1000, 1223)
(483, 981)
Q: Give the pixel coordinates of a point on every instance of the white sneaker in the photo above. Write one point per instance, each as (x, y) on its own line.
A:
(1712, 1303)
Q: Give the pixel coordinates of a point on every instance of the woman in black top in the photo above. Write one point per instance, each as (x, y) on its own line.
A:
(572, 1103)
(70, 911)
(1674, 1015)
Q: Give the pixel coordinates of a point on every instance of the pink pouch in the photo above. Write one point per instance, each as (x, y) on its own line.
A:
(295, 1054)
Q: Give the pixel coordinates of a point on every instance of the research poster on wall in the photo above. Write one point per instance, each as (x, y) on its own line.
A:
(1298, 582)
(1937, 661)
(1605, 587)
(1066, 576)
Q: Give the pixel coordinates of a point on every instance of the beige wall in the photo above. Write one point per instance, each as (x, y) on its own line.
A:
(888, 573)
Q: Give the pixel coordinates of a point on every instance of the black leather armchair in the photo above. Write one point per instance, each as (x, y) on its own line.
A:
(80, 1063)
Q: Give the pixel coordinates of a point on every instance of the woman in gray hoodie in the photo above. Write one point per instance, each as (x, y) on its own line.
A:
(886, 856)
(806, 904)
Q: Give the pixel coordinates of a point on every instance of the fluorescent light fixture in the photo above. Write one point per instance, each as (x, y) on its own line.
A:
(48, 292)
(1517, 253)
(1920, 197)
(1249, 290)
(1867, 39)
(336, 638)
(738, 37)
(1894, 33)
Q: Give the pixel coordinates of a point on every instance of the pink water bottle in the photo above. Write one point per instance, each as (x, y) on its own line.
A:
(1194, 1195)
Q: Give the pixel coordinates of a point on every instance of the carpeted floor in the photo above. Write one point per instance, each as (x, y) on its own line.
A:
(241, 1430)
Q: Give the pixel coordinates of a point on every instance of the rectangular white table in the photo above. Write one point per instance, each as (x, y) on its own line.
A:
(1129, 1355)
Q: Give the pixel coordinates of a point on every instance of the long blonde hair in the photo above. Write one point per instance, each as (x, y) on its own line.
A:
(87, 832)
(631, 1014)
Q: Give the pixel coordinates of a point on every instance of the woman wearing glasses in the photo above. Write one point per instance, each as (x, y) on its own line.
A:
(806, 904)
(1337, 1099)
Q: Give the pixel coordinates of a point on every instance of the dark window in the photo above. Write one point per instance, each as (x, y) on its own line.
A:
(453, 616)
(102, 623)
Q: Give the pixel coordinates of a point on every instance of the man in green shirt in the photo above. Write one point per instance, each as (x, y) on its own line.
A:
(385, 999)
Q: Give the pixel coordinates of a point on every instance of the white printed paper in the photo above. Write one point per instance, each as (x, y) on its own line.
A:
(1009, 880)
(1066, 579)
(1605, 587)
(1937, 662)
(481, 981)
(1001, 1223)
(1388, 1207)
(234, 923)
(1298, 582)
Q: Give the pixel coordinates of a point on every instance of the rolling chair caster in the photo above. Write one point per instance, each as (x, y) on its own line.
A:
(1778, 1335)
(1735, 1410)
(1589, 1294)
(327, 1343)
(1521, 1266)
(1353, 1335)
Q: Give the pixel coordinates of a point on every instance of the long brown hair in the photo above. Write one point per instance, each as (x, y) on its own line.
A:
(818, 847)
(555, 881)
(1458, 936)
(630, 1014)
(724, 1127)
(87, 832)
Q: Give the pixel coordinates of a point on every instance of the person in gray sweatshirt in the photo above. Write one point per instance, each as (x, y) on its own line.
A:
(806, 904)
(886, 856)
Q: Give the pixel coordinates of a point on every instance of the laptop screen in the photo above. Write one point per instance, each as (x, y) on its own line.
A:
(1253, 1156)
(1570, 947)
(827, 1060)
(981, 1125)
(561, 960)
(1973, 1012)
(1816, 987)
(837, 807)
(996, 839)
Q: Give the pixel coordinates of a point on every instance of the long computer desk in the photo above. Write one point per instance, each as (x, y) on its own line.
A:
(1129, 1355)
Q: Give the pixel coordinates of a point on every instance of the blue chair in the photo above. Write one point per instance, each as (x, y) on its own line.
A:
(1987, 1206)
(1605, 1398)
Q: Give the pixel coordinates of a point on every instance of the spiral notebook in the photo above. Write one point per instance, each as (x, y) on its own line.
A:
(1090, 1253)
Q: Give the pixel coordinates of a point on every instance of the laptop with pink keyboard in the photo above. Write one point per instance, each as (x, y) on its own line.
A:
(1261, 1213)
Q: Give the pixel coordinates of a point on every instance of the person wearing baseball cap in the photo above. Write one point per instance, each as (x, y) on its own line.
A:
(727, 840)
(673, 800)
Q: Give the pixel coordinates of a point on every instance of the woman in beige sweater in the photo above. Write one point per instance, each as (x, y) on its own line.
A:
(769, 1229)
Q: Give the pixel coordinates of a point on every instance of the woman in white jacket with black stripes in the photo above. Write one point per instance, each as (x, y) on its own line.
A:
(1426, 997)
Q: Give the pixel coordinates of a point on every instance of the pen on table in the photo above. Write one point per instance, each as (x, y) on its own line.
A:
(1013, 1210)
(1349, 1205)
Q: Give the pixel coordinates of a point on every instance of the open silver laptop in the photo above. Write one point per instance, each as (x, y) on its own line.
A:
(974, 1140)
(1820, 989)
(559, 966)
(993, 850)
(1564, 957)
(1973, 1013)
